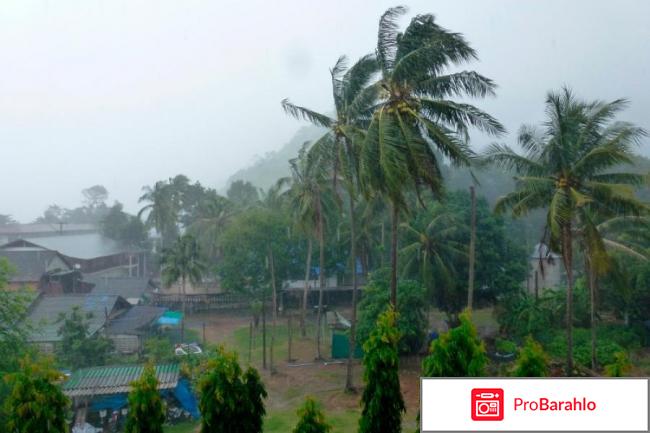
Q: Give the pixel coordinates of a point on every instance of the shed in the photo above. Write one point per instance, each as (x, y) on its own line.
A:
(133, 289)
(129, 330)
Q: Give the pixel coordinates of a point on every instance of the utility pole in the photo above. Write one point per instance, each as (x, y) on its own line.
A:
(472, 250)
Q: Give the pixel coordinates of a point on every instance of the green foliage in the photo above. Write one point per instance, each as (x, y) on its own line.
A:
(242, 194)
(158, 350)
(146, 406)
(230, 401)
(505, 346)
(79, 349)
(36, 404)
(610, 340)
(532, 361)
(412, 320)
(311, 418)
(122, 227)
(620, 367)
(456, 353)
(183, 262)
(382, 402)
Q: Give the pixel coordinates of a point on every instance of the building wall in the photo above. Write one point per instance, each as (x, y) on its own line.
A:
(126, 344)
(549, 274)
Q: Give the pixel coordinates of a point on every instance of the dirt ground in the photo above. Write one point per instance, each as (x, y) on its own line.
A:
(304, 375)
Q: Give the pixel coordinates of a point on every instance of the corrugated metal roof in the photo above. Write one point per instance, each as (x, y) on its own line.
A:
(134, 320)
(115, 379)
(31, 263)
(45, 313)
(126, 287)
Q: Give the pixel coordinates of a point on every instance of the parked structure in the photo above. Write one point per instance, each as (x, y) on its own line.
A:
(129, 330)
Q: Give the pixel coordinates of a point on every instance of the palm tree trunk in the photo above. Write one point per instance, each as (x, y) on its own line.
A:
(383, 244)
(274, 302)
(305, 293)
(592, 312)
(349, 386)
(567, 255)
(393, 258)
(321, 275)
(183, 307)
(264, 330)
(472, 250)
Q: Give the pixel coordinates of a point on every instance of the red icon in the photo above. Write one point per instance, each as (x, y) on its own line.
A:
(487, 404)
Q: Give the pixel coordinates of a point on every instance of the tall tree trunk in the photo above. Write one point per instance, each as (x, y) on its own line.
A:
(567, 255)
(321, 275)
(305, 293)
(383, 244)
(183, 307)
(591, 276)
(393, 258)
(349, 385)
(472, 250)
(264, 331)
(274, 302)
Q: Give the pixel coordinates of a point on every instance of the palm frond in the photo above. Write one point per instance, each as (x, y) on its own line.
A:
(304, 113)
(387, 37)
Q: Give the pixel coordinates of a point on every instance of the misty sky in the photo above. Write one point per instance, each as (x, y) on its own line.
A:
(125, 92)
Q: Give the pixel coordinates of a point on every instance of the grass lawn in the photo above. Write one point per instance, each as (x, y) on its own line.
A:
(186, 427)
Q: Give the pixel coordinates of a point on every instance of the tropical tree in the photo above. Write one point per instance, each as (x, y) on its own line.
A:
(339, 147)
(231, 401)
(309, 198)
(415, 120)
(432, 248)
(571, 169)
(212, 216)
(383, 405)
(311, 418)
(36, 403)
(183, 261)
(146, 407)
(162, 210)
(79, 348)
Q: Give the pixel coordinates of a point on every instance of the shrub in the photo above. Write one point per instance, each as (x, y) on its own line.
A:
(532, 361)
(382, 400)
(457, 353)
(412, 320)
(606, 346)
(620, 367)
(146, 407)
(311, 418)
(230, 401)
(505, 346)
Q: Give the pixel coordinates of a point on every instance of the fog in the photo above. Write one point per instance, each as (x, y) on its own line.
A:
(123, 93)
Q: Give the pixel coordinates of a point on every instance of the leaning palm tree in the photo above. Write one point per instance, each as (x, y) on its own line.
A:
(309, 197)
(416, 115)
(162, 210)
(354, 98)
(182, 262)
(569, 169)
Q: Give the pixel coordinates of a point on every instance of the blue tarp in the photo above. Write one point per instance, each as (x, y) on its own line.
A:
(183, 393)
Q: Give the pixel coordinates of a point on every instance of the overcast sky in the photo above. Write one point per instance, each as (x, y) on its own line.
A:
(125, 92)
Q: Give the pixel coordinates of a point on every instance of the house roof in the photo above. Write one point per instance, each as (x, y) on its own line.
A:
(134, 320)
(45, 312)
(126, 287)
(80, 245)
(30, 261)
(44, 229)
(115, 379)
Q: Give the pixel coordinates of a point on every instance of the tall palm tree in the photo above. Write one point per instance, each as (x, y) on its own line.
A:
(162, 210)
(212, 217)
(309, 198)
(416, 116)
(354, 98)
(183, 262)
(569, 169)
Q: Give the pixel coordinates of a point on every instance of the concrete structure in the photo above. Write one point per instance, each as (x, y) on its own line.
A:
(546, 270)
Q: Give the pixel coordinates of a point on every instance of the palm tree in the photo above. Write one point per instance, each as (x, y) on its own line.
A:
(213, 216)
(161, 208)
(432, 248)
(339, 146)
(182, 262)
(415, 116)
(568, 168)
(309, 198)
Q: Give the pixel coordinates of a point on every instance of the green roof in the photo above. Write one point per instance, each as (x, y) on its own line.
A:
(115, 379)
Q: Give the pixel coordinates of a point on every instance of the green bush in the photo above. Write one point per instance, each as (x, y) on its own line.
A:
(411, 321)
(457, 353)
(620, 367)
(505, 346)
(609, 341)
(311, 418)
(532, 361)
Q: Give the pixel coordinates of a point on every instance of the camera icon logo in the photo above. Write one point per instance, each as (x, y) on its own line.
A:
(487, 404)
